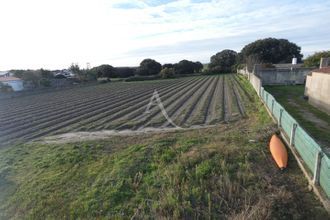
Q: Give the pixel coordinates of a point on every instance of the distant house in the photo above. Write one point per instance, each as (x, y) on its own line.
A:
(62, 74)
(5, 74)
(15, 83)
(317, 87)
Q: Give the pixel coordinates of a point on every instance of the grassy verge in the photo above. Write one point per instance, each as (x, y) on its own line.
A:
(220, 172)
(315, 121)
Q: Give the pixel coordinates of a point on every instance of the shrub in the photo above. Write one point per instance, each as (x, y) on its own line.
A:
(314, 60)
(5, 88)
(167, 73)
(45, 82)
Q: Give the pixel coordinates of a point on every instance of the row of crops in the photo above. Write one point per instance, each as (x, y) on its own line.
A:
(201, 100)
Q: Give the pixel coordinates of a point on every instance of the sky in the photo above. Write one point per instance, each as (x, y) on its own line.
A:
(53, 34)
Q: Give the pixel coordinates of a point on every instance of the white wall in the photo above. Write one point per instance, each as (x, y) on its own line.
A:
(17, 85)
(318, 90)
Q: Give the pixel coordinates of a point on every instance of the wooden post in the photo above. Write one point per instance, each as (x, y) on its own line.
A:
(293, 133)
(273, 101)
(280, 118)
(316, 178)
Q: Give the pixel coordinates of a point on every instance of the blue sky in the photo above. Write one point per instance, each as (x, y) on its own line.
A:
(53, 34)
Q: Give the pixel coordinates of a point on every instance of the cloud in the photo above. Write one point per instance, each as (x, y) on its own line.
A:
(52, 34)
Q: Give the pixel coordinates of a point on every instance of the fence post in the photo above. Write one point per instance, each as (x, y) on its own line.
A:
(280, 118)
(317, 168)
(293, 133)
(273, 101)
(267, 100)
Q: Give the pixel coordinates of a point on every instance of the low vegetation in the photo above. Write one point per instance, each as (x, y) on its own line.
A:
(314, 59)
(220, 172)
(312, 119)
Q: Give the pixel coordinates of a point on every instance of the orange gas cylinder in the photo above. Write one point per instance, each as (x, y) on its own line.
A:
(278, 151)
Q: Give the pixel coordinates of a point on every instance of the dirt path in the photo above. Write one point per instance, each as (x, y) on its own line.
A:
(105, 134)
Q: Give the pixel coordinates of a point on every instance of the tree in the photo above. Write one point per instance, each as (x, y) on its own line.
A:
(33, 76)
(184, 67)
(271, 50)
(167, 73)
(314, 59)
(46, 74)
(75, 69)
(168, 65)
(223, 61)
(105, 70)
(149, 67)
(198, 66)
(125, 72)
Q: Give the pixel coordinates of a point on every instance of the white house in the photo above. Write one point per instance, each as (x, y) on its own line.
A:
(5, 74)
(15, 83)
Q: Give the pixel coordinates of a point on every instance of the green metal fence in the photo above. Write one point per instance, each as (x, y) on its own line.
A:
(316, 161)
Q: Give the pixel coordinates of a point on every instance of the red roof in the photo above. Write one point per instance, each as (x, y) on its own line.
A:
(322, 70)
(9, 78)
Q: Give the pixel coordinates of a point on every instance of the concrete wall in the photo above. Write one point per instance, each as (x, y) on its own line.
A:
(318, 90)
(256, 82)
(274, 76)
(17, 85)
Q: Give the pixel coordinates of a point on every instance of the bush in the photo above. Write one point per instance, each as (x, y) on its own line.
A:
(167, 73)
(124, 72)
(5, 88)
(314, 60)
(45, 82)
(142, 78)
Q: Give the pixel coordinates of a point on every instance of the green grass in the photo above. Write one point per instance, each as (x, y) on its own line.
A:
(291, 97)
(211, 173)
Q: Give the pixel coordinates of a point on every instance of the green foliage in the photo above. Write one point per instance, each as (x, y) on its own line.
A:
(198, 66)
(214, 173)
(124, 72)
(168, 65)
(38, 77)
(81, 74)
(75, 69)
(33, 76)
(185, 67)
(149, 67)
(270, 50)
(315, 121)
(314, 59)
(104, 71)
(167, 73)
(45, 82)
(142, 78)
(222, 62)
(46, 74)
